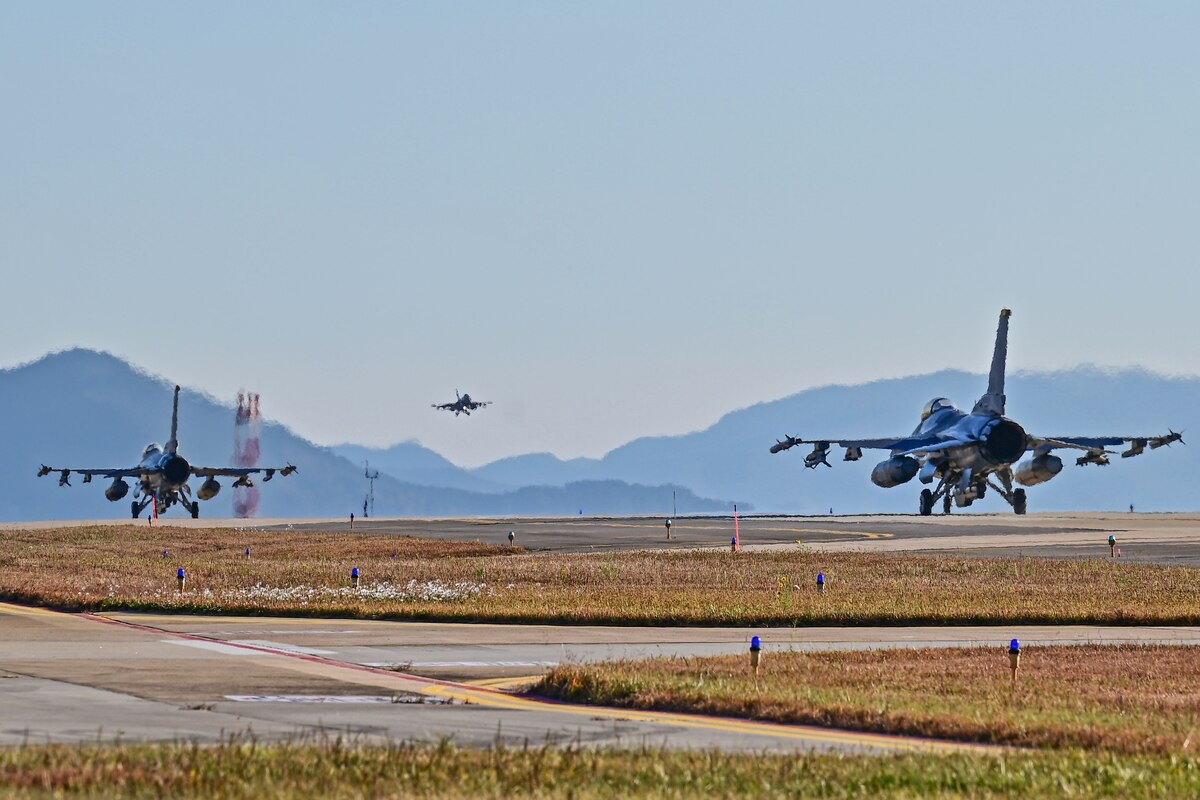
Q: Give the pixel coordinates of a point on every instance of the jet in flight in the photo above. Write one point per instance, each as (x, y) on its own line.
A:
(962, 455)
(162, 476)
(463, 405)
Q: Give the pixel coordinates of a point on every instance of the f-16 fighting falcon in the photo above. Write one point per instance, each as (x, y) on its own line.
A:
(968, 453)
(162, 476)
(463, 405)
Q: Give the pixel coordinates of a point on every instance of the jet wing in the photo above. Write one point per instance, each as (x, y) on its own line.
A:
(1098, 444)
(241, 472)
(64, 473)
(892, 443)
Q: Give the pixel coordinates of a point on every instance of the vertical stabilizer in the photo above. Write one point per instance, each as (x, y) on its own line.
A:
(993, 401)
(173, 442)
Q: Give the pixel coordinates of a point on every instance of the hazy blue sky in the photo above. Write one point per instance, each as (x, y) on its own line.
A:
(612, 219)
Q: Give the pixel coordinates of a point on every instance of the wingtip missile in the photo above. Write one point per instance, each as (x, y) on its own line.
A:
(1165, 441)
(786, 443)
(288, 470)
(44, 471)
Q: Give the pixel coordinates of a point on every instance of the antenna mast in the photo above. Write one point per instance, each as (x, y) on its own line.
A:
(369, 500)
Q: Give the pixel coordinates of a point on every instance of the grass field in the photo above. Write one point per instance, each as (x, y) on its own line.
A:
(1124, 698)
(337, 771)
(402, 577)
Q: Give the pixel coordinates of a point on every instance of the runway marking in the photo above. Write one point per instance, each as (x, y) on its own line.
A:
(252, 631)
(27, 611)
(489, 697)
(283, 648)
(504, 683)
(429, 664)
(493, 698)
(304, 698)
(216, 647)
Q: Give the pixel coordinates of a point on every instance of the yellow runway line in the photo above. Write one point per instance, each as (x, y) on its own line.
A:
(28, 611)
(494, 699)
(501, 684)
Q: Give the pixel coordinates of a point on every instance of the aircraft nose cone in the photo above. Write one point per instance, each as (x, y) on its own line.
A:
(176, 469)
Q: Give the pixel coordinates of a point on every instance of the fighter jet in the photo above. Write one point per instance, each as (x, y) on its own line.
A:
(463, 405)
(162, 476)
(966, 454)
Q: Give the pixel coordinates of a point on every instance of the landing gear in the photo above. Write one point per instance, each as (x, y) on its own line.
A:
(946, 504)
(1018, 501)
(136, 508)
(195, 509)
(926, 506)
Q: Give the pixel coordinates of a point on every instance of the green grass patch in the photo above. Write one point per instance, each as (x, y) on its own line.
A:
(241, 770)
(1123, 698)
(308, 573)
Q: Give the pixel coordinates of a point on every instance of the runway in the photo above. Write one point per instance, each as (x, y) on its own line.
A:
(80, 678)
(1146, 538)
(1170, 539)
(141, 677)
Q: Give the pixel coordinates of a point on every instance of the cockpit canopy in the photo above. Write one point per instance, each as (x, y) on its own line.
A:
(933, 406)
(153, 447)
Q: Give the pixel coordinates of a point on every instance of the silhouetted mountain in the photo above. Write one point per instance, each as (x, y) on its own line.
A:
(412, 463)
(80, 408)
(731, 458)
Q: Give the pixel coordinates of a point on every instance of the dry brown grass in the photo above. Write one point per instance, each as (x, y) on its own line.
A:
(123, 567)
(337, 770)
(1124, 698)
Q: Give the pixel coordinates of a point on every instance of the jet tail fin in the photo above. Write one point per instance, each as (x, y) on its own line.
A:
(993, 402)
(173, 443)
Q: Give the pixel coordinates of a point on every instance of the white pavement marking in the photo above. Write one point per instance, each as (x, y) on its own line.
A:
(394, 664)
(304, 698)
(283, 648)
(290, 632)
(216, 647)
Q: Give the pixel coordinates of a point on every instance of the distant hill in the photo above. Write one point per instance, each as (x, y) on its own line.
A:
(81, 408)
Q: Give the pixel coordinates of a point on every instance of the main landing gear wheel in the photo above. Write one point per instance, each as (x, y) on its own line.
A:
(195, 509)
(1018, 502)
(926, 507)
(946, 503)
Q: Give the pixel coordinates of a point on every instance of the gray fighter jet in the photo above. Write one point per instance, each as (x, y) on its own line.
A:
(162, 476)
(966, 454)
(462, 405)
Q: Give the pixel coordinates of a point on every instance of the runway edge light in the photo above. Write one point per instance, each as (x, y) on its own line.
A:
(755, 653)
(821, 582)
(181, 576)
(1014, 658)
(354, 577)
(1112, 546)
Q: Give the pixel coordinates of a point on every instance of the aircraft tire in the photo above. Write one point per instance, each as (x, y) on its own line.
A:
(946, 503)
(195, 509)
(1019, 502)
(133, 507)
(926, 507)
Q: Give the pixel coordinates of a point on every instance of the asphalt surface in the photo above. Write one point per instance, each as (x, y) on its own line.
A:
(140, 677)
(80, 678)
(1147, 538)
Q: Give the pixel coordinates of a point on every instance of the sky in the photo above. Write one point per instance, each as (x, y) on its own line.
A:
(612, 219)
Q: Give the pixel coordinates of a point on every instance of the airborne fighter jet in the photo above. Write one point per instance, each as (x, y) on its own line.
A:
(463, 405)
(162, 476)
(965, 454)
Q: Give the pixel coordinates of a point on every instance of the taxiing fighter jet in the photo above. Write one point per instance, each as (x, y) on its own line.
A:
(463, 405)
(968, 453)
(162, 476)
